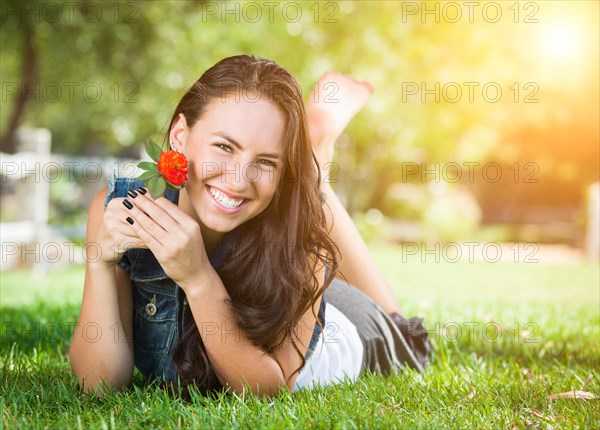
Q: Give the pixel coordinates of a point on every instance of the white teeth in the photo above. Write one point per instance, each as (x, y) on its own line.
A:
(224, 200)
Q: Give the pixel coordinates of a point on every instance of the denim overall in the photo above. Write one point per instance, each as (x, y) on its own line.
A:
(159, 304)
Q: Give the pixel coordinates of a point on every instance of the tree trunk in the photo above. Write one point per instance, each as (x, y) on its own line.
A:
(28, 73)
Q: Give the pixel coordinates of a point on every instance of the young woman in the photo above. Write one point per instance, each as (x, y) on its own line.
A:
(234, 281)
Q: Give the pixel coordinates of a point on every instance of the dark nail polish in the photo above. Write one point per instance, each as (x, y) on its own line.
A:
(141, 190)
(129, 220)
(132, 194)
(127, 204)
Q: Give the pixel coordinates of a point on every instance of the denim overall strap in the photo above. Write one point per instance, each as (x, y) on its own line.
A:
(156, 298)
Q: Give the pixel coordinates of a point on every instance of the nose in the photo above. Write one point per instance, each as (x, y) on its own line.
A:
(238, 177)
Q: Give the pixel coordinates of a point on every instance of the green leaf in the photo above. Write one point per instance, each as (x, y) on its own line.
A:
(170, 186)
(157, 186)
(153, 150)
(148, 165)
(147, 175)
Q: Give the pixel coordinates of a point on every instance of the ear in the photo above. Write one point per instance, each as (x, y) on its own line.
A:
(179, 133)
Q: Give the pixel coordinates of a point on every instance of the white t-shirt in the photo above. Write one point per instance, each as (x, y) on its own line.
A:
(338, 353)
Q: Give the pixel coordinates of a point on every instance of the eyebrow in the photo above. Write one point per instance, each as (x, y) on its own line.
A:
(240, 147)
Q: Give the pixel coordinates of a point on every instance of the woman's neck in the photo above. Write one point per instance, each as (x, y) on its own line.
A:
(211, 238)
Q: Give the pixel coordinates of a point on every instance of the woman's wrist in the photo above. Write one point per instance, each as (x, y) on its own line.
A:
(206, 280)
(102, 265)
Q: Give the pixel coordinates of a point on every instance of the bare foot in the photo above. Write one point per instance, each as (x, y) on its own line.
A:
(336, 99)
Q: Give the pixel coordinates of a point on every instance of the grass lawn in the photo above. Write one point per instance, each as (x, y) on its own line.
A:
(506, 335)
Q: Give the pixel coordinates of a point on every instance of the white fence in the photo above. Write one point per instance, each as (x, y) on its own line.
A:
(26, 237)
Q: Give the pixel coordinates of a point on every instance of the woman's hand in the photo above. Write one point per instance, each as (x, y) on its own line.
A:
(173, 237)
(114, 235)
(336, 99)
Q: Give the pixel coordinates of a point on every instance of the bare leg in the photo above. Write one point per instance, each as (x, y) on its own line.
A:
(327, 120)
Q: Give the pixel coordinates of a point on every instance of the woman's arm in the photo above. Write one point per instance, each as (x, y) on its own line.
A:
(327, 118)
(236, 361)
(357, 266)
(101, 347)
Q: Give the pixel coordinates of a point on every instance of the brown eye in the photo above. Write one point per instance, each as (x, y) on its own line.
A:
(225, 147)
(268, 163)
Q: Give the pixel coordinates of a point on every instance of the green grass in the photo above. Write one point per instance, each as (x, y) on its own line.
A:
(542, 337)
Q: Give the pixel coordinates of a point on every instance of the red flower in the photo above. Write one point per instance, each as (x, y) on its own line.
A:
(173, 166)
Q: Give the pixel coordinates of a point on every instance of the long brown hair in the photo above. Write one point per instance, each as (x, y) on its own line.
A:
(272, 285)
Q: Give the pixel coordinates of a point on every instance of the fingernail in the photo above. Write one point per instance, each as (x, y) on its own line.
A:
(132, 194)
(127, 204)
(141, 190)
(129, 220)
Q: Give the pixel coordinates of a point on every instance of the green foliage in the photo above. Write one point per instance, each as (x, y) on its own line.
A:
(147, 175)
(119, 77)
(153, 150)
(156, 185)
(147, 165)
(153, 178)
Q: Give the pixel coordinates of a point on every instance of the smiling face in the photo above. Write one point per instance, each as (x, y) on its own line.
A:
(235, 154)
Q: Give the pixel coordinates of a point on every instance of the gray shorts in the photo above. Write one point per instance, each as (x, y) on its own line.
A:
(385, 349)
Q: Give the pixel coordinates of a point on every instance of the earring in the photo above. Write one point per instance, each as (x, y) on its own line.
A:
(173, 146)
